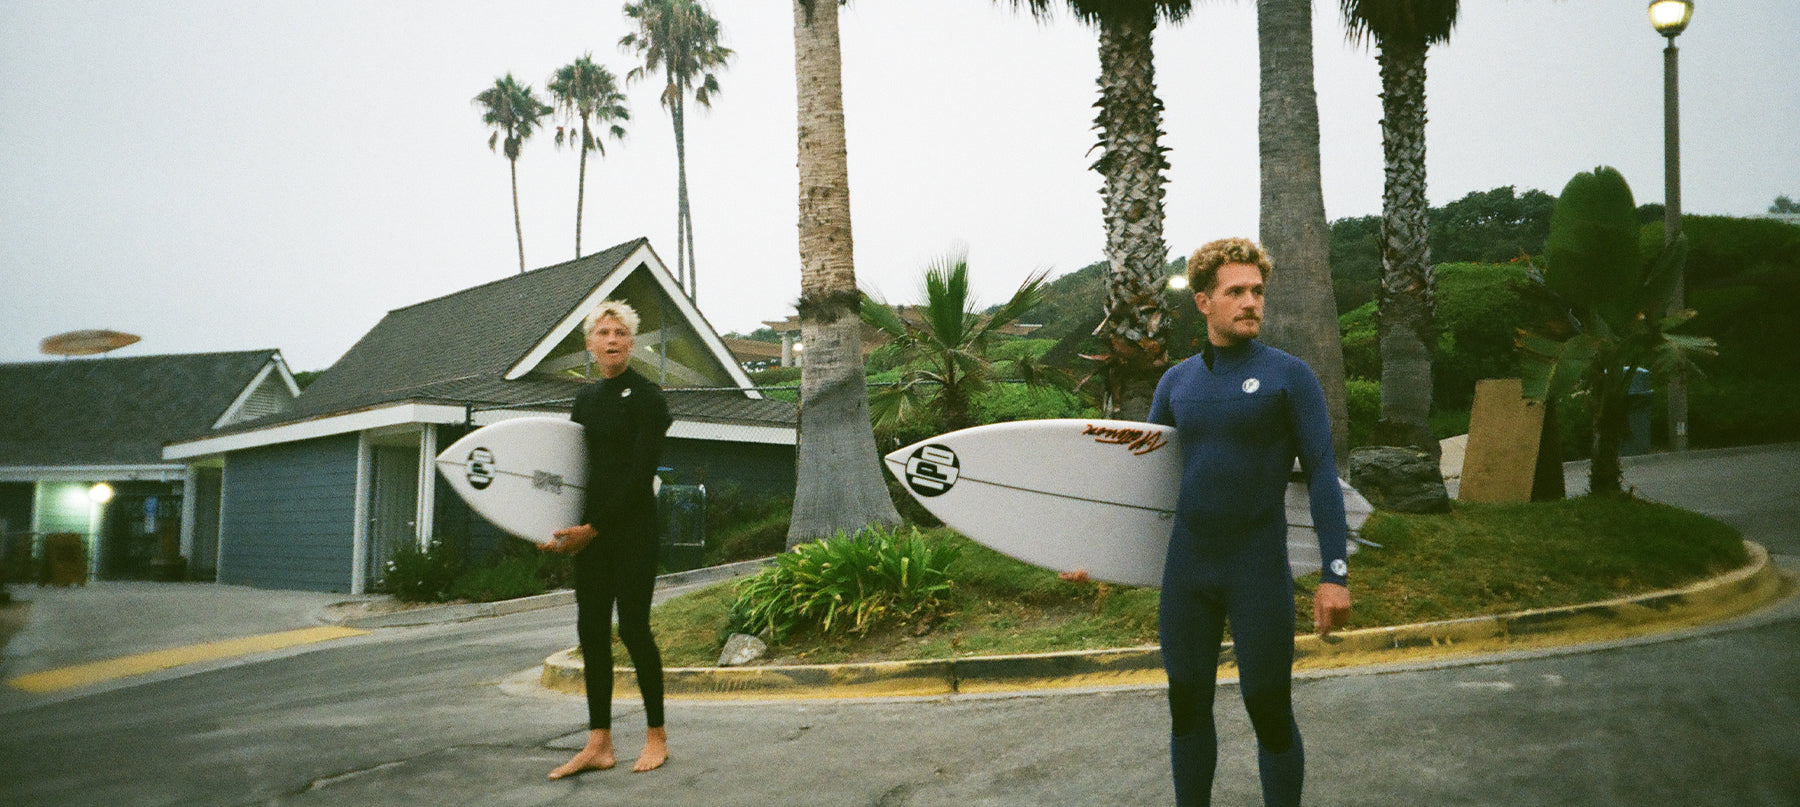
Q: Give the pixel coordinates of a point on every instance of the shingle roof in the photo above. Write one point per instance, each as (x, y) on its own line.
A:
(116, 411)
(466, 340)
(457, 349)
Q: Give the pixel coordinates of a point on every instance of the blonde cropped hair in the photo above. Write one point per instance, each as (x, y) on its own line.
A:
(1203, 267)
(617, 309)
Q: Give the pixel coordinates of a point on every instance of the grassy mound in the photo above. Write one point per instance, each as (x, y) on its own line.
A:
(1476, 560)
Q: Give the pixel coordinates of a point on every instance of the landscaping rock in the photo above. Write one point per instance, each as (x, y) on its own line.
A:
(1399, 479)
(741, 649)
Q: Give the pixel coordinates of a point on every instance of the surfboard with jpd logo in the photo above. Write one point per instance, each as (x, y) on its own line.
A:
(1070, 494)
(527, 476)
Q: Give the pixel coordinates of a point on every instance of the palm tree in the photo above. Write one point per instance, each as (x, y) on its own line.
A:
(1131, 161)
(1614, 299)
(680, 39)
(586, 92)
(839, 488)
(1302, 313)
(513, 111)
(1403, 31)
(947, 344)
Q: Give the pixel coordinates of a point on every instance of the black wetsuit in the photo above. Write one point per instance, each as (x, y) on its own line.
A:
(1244, 413)
(626, 418)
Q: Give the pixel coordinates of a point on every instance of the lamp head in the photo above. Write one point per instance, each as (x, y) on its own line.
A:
(1670, 17)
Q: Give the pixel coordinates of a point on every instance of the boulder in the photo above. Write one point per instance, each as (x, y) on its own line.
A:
(741, 649)
(1399, 479)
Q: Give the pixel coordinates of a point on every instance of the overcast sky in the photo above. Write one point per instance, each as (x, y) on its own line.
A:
(243, 175)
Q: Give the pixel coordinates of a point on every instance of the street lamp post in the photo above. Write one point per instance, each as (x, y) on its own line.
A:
(1670, 18)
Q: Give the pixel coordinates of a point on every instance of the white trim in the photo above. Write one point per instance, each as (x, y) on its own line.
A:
(425, 521)
(401, 414)
(359, 530)
(93, 473)
(733, 433)
(190, 502)
(273, 366)
(623, 269)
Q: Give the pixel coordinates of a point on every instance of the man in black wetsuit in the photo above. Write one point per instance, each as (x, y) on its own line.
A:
(625, 418)
(1244, 412)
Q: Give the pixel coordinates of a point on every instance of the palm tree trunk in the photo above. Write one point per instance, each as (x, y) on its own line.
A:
(1132, 163)
(1301, 314)
(518, 228)
(839, 485)
(677, 114)
(581, 184)
(1405, 324)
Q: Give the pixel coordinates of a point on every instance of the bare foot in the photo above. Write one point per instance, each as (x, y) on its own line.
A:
(596, 756)
(656, 751)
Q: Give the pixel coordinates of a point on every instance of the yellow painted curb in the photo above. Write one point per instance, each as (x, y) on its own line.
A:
(1740, 591)
(96, 672)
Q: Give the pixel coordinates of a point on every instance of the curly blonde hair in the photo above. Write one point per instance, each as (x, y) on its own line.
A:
(617, 309)
(1203, 267)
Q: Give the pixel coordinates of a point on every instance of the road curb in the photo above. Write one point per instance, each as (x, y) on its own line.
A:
(463, 612)
(1756, 584)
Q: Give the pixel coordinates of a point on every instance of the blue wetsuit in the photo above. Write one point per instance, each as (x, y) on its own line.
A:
(1244, 413)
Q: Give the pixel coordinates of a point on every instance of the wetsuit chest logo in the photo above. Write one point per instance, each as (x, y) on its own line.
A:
(1251, 385)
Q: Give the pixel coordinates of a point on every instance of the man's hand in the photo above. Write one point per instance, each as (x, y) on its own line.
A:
(570, 540)
(1331, 608)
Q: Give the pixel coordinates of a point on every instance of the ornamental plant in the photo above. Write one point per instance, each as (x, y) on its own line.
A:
(1615, 320)
(845, 585)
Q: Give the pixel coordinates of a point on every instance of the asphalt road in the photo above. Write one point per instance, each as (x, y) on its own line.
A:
(440, 715)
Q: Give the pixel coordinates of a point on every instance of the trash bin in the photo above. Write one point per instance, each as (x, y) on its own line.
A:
(65, 559)
(1637, 414)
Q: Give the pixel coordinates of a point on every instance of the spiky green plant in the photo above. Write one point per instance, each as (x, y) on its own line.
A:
(1614, 300)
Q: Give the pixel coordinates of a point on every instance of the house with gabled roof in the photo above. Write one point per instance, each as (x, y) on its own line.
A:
(320, 496)
(81, 451)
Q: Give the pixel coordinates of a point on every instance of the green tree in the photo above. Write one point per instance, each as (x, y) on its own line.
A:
(1493, 226)
(839, 487)
(1136, 328)
(1403, 31)
(1302, 311)
(679, 38)
(1615, 300)
(1784, 204)
(514, 113)
(588, 94)
(945, 345)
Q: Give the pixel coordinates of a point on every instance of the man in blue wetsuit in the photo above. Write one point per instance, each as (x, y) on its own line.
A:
(1244, 412)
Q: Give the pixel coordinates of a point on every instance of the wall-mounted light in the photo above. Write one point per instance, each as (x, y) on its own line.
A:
(101, 493)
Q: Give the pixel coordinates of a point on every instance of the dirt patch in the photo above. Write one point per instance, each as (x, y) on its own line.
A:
(378, 606)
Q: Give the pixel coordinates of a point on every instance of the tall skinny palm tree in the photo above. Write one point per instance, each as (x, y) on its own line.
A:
(513, 112)
(839, 489)
(679, 38)
(587, 93)
(1302, 313)
(1403, 31)
(1132, 164)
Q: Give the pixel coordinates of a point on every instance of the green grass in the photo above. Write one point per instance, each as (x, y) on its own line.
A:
(1476, 560)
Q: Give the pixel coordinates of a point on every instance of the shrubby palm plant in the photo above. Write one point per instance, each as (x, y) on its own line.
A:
(945, 346)
(1614, 302)
(845, 586)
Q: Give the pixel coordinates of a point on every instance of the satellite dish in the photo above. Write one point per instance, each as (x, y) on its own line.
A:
(85, 343)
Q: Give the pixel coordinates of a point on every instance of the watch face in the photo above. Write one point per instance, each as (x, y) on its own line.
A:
(1340, 568)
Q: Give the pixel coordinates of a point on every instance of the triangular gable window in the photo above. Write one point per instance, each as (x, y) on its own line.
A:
(670, 350)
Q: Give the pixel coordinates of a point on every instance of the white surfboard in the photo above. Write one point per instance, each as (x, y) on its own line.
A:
(1070, 494)
(526, 475)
